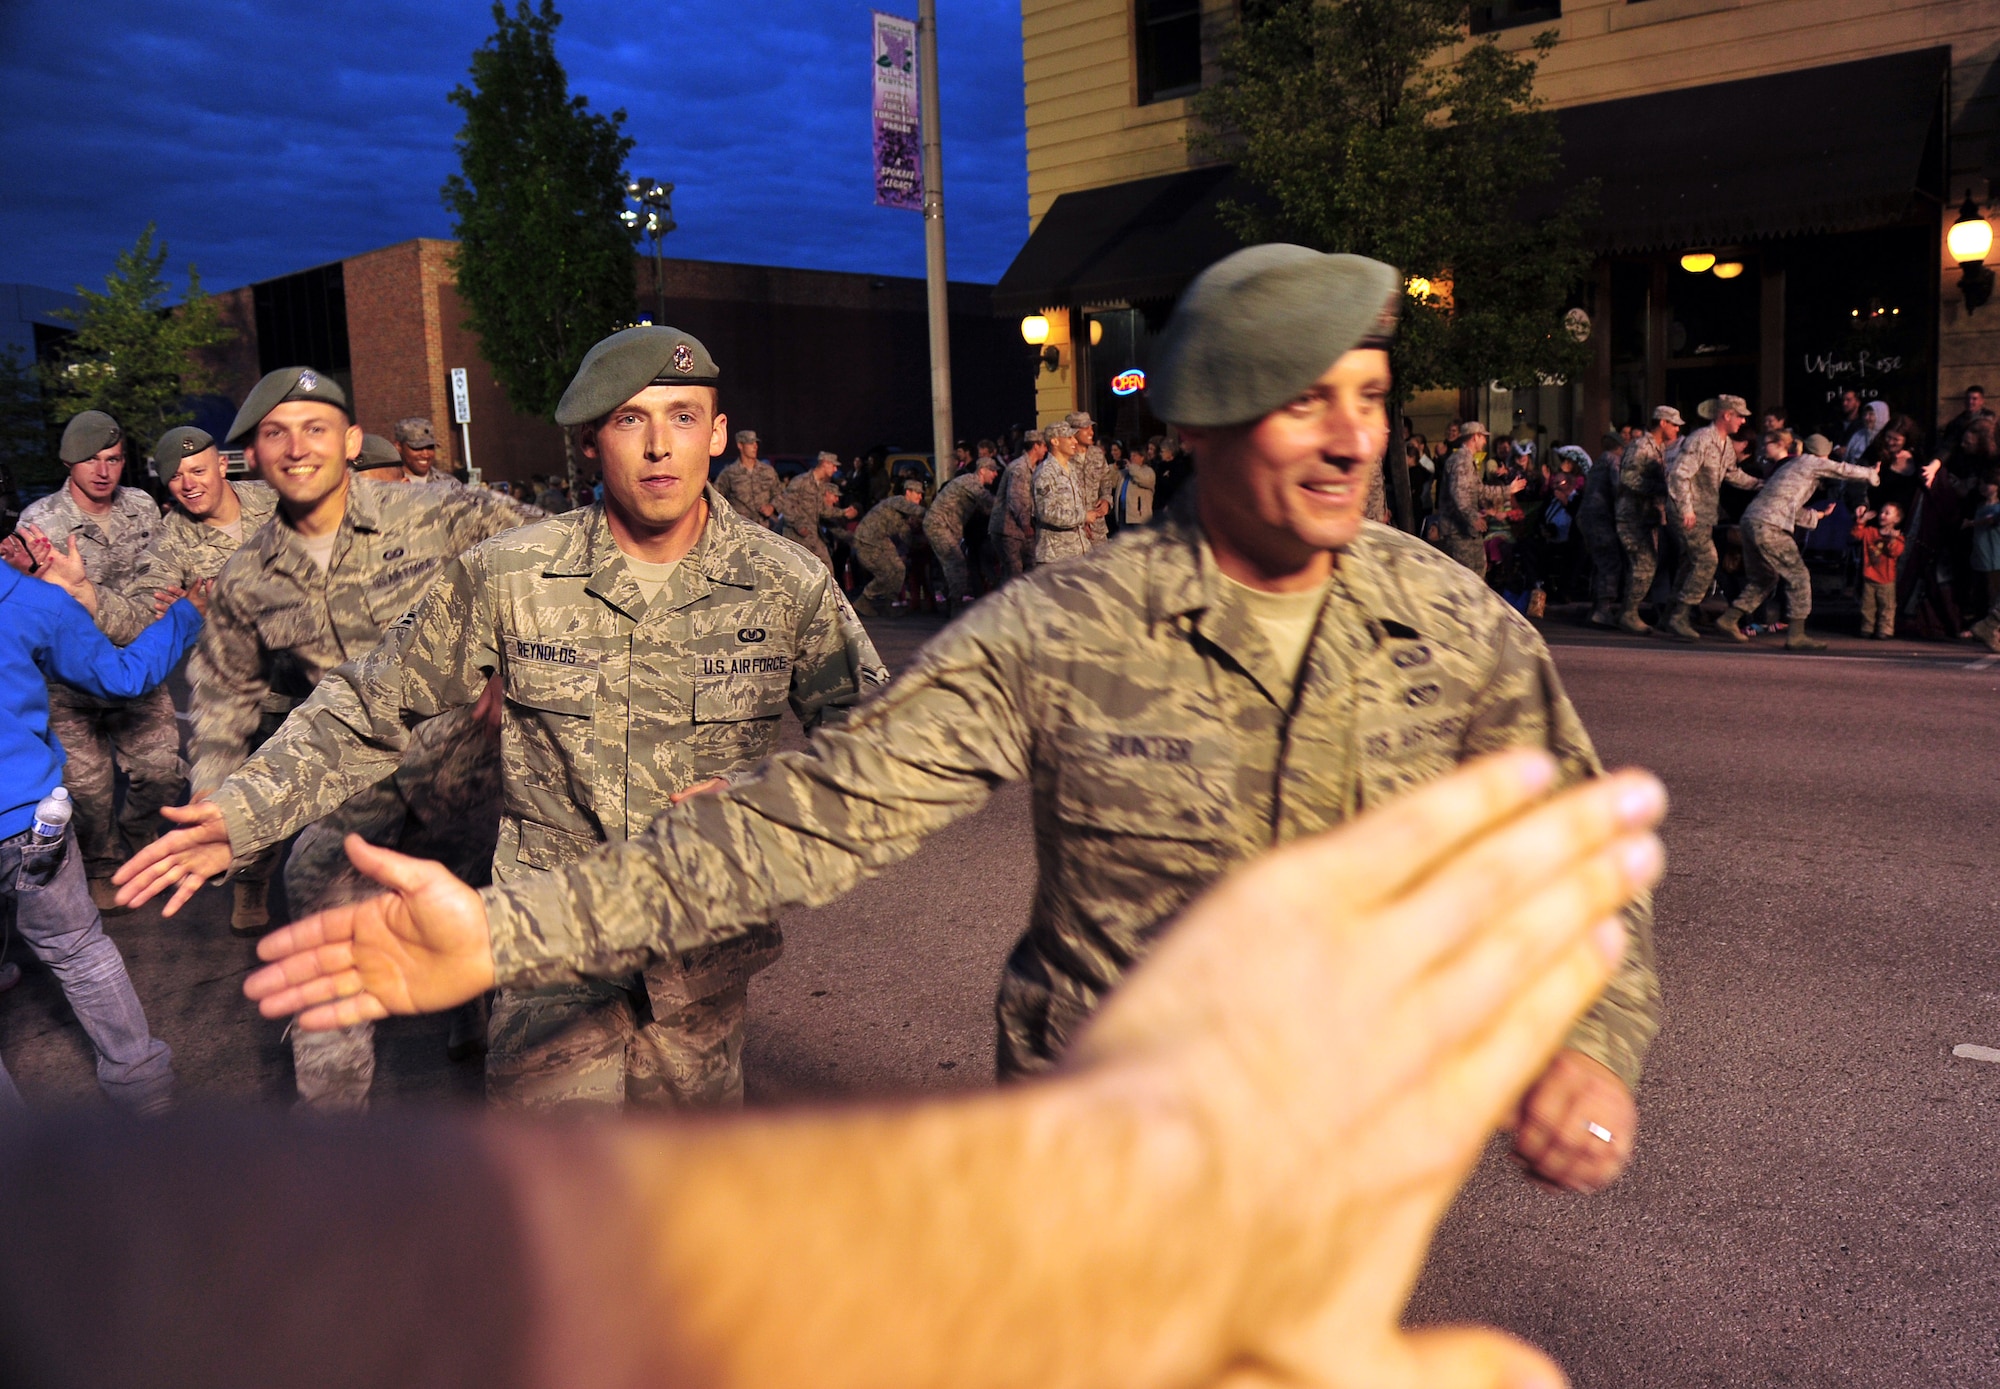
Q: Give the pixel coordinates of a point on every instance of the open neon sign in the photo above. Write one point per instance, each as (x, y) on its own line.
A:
(1129, 382)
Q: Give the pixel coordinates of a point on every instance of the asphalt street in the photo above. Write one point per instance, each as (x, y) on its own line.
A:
(1814, 1197)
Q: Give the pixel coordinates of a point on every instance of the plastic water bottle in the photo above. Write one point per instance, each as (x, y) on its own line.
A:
(52, 815)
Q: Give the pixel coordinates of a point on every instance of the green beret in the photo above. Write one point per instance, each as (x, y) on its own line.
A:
(88, 435)
(176, 446)
(627, 362)
(287, 383)
(377, 452)
(1260, 326)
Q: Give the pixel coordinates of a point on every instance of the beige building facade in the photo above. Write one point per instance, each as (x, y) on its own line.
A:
(1823, 146)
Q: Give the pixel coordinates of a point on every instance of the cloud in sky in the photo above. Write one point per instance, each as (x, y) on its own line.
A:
(265, 137)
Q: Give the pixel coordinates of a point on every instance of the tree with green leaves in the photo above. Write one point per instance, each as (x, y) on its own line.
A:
(132, 356)
(544, 264)
(1380, 127)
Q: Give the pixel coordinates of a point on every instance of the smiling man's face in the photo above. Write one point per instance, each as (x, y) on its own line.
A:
(654, 450)
(197, 484)
(301, 448)
(1296, 481)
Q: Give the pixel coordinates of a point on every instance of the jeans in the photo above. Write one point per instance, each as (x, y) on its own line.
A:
(57, 919)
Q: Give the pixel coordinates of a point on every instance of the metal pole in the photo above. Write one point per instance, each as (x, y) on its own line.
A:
(659, 282)
(465, 433)
(934, 277)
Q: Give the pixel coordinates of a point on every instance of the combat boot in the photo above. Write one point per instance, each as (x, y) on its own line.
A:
(1602, 616)
(250, 915)
(1987, 629)
(1630, 621)
(1729, 624)
(1797, 640)
(1678, 627)
(864, 606)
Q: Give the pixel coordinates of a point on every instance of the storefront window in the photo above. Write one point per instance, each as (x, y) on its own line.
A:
(1859, 311)
(1120, 382)
(1712, 333)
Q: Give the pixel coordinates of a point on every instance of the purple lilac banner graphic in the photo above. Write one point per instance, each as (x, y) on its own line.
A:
(899, 155)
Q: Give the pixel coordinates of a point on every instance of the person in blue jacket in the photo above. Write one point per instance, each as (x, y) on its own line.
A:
(48, 634)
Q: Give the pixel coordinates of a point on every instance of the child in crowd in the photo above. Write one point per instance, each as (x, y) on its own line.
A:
(1881, 537)
(1985, 527)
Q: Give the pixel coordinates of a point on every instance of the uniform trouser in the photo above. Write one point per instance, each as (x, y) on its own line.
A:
(142, 737)
(1468, 550)
(257, 872)
(1878, 608)
(811, 542)
(442, 803)
(885, 571)
(1639, 535)
(669, 1038)
(63, 927)
(1607, 558)
(1016, 554)
(1771, 557)
(950, 552)
(1696, 575)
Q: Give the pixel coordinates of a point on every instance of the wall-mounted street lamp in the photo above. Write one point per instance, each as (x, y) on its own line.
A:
(1969, 240)
(1035, 332)
(1728, 269)
(654, 218)
(1695, 262)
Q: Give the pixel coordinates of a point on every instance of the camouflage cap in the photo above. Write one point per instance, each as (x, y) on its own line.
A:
(89, 434)
(416, 432)
(1468, 428)
(913, 482)
(747, 436)
(1667, 413)
(627, 362)
(176, 446)
(1263, 324)
(1062, 429)
(1033, 436)
(377, 452)
(827, 456)
(1079, 420)
(1732, 404)
(1819, 446)
(280, 386)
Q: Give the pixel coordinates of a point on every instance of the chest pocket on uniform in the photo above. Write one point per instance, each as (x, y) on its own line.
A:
(747, 695)
(552, 689)
(282, 629)
(1144, 784)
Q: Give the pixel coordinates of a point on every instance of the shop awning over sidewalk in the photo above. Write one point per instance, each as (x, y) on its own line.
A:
(1129, 241)
(1824, 149)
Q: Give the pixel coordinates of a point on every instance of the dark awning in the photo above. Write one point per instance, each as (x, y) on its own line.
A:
(1130, 241)
(1822, 149)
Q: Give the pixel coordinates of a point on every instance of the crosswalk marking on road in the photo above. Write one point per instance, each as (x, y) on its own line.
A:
(1972, 1052)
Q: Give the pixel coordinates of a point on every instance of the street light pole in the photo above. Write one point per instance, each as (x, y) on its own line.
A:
(934, 276)
(656, 220)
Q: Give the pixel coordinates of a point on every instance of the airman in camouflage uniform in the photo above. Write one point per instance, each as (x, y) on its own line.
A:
(891, 521)
(1135, 689)
(1642, 488)
(1099, 480)
(417, 450)
(750, 484)
(1694, 485)
(1011, 527)
(1771, 552)
(614, 703)
(113, 525)
(1064, 495)
(806, 503)
(278, 623)
(1464, 498)
(967, 498)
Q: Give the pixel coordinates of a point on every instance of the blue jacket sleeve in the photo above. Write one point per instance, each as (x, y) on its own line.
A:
(80, 655)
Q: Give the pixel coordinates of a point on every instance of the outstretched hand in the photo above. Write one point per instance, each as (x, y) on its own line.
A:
(182, 859)
(421, 948)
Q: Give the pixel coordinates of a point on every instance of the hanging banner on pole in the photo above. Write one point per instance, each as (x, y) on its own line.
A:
(899, 169)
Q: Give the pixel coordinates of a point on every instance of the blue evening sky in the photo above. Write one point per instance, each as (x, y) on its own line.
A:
(266, 137)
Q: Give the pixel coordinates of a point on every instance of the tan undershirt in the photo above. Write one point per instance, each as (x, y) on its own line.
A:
(1285, 619)
(234, 530)
(320, 547)
(650, 577)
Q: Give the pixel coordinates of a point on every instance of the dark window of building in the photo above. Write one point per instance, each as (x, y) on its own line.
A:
(1169, 42)
(1507, 14)
(302, 321)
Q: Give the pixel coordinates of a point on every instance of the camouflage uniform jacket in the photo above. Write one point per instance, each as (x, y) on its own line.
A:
(1785, 493)
(438, 477)
(1163, 745)
(888, 521)
(183, 551)
(1463, 495)
(112, 558)
(1014, 511)
(804, 506)
(276, 624)
(749, 488)
(1099, 483)
(957, 502)
(1642, 470)
(1707, 461)
(612, 704)
(1061, 510)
